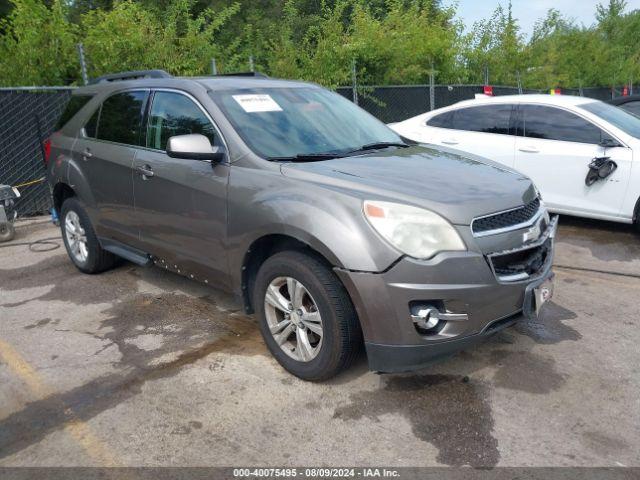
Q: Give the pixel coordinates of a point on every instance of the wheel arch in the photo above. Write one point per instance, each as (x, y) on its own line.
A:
(268, 245)
(61, 191)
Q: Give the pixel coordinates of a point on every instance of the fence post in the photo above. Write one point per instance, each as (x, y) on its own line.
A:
(83, 64)
(432, 88)
(251, 67)
(354, 81)
(214, 68)
(519, 82)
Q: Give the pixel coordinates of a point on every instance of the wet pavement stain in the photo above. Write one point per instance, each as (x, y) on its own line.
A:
(41, 323)
(443, 410)
(549, 327)
(31, 424)
(607, 241)
(600, 442)
(68, 284)
(170, 323)
(525, 371)
(187, 429)
(156, 335)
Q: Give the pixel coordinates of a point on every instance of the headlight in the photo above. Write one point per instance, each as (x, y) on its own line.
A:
(414, 231)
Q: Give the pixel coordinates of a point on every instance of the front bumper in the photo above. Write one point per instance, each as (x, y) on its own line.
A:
(462, 282)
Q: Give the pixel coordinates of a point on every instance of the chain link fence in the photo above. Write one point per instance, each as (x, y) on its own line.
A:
(399, 102)
(28, 115)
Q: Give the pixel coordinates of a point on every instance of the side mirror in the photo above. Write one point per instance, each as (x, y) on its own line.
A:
(194, 147)
(609, 142)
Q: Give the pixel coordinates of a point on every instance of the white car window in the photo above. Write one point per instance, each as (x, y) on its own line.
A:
(484, 119)
(628, 123)
(442, 120)
(550, 123)
(632, 107)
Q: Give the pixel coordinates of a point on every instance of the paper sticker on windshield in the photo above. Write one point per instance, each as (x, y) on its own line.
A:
(257, 103)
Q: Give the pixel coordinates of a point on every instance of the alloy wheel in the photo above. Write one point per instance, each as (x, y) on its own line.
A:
(76, 237)
(293, 318)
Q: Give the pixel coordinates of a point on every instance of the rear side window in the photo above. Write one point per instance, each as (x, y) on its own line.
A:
(485, 119)
(121, 117)
(443, 120)
(632, 107)
(549, 123)
(175, 114)
(76, 102)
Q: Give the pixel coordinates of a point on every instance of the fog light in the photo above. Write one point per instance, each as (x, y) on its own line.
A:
(426, 318)
(430, 318)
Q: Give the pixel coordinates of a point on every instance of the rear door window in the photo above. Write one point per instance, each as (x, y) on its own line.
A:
(75, 104)
(550, 123)
(176, 114)
(484, 119)
(121, 117)
(443, 120)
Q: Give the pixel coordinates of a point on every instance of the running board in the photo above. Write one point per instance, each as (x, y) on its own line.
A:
(125, 251)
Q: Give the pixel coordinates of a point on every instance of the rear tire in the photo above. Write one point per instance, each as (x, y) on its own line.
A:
(7, 232)
(80, 239)
(323, 307)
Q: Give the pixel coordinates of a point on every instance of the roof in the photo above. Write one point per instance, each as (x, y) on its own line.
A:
(209, 83)
(566, 100)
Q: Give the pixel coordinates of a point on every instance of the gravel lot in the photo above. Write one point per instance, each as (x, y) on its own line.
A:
(142, 367)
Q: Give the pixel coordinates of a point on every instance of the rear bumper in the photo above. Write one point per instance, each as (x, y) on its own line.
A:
(462, 282)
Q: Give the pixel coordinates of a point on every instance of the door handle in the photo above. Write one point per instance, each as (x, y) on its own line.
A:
(529, 149)
(145, 171)
(451, 141)
(87, 153)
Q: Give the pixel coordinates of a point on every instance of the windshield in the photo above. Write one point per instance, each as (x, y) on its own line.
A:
(628, 123)
(289, 122)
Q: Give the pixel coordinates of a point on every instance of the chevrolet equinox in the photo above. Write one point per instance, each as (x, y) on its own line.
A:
(321, 219)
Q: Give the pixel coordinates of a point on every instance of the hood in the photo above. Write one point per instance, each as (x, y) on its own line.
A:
(456, 185)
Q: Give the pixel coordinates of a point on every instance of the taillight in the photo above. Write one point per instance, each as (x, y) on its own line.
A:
(47, 150)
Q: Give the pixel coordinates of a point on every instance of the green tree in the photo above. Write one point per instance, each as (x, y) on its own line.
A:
(497, 46)
(131, 37)
(37, 45)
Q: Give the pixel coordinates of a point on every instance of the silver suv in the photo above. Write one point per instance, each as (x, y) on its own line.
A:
(328, 226)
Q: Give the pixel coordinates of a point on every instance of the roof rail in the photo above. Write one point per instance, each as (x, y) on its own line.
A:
(242, 74)
(132, 75)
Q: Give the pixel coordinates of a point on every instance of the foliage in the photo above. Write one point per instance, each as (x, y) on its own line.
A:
(37, 45)
(495, 47)
(131, 37)
(390, 41)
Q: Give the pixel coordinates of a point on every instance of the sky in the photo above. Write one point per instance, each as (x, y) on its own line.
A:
(527, 12)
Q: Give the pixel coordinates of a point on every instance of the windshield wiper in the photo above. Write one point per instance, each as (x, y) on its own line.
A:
(379, 145)
(306, 157)
(312, 157)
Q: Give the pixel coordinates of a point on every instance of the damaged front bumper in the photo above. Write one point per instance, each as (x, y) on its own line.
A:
(475, 295)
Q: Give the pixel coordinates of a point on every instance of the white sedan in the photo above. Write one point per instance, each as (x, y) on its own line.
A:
(583, 154)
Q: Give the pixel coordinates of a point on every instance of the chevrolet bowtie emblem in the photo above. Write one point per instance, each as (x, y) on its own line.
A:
(532, 234)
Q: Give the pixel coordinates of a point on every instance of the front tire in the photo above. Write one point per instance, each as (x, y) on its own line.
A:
(80, 239)
(306, 316)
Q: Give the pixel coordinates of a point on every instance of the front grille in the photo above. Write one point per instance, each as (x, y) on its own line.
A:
(506, 219)
(523, 263)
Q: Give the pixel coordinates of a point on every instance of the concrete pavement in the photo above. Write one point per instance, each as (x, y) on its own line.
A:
(142, 367)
